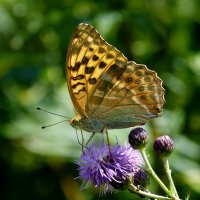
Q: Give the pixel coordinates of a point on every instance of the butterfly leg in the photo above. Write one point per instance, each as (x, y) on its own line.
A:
(90, 138)
(80, 143)
(107, 138)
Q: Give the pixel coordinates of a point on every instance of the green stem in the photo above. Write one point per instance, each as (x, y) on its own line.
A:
(151, 171)
(134, 189)
(169, 176)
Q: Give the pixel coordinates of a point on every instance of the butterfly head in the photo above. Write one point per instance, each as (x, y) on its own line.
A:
(75, 122)
(86, 124)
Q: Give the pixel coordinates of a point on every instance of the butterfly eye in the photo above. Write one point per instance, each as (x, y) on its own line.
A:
(74, 122)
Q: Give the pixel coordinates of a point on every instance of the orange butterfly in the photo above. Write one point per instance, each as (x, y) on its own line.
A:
(107, 90)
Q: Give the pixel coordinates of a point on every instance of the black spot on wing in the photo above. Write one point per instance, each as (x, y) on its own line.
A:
(84, 60)
(101, 50)
(76, 67)
(91, 49)
(89, 70)
(102, 64)
(79, 77)
(92, 81)
(95, 57)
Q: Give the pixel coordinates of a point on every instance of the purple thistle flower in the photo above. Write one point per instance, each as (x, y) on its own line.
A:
(106, 167)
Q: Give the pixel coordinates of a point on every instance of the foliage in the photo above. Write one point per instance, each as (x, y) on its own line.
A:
(39, 164)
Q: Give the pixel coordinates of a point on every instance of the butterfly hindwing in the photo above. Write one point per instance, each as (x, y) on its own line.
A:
(128, 91)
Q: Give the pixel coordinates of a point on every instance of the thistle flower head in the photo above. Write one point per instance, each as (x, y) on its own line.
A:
(108, 167)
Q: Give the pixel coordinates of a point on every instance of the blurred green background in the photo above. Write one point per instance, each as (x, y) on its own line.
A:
(34, 35)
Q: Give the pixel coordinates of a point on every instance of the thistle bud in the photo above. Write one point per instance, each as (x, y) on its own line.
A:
(163, 146)
(141, 179)
(138, 138)
(119, 183)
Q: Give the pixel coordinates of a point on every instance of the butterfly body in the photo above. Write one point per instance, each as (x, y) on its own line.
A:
(107, 90)
(99, 125)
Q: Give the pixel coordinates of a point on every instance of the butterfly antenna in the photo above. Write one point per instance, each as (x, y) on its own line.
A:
(43, 127)
(53, 113)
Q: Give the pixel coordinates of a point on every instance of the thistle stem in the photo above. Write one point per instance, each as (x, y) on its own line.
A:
(151, 171)
(134, 189)
(169, 176)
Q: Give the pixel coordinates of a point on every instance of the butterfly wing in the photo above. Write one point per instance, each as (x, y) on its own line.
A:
(128, 94)
(88, 58)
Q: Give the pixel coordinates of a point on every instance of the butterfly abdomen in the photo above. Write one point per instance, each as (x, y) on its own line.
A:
(98, 125)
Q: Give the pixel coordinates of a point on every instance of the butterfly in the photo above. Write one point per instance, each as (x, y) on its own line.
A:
(106, 89)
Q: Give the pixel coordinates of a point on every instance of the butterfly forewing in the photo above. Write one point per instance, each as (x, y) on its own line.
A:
(89, 56)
